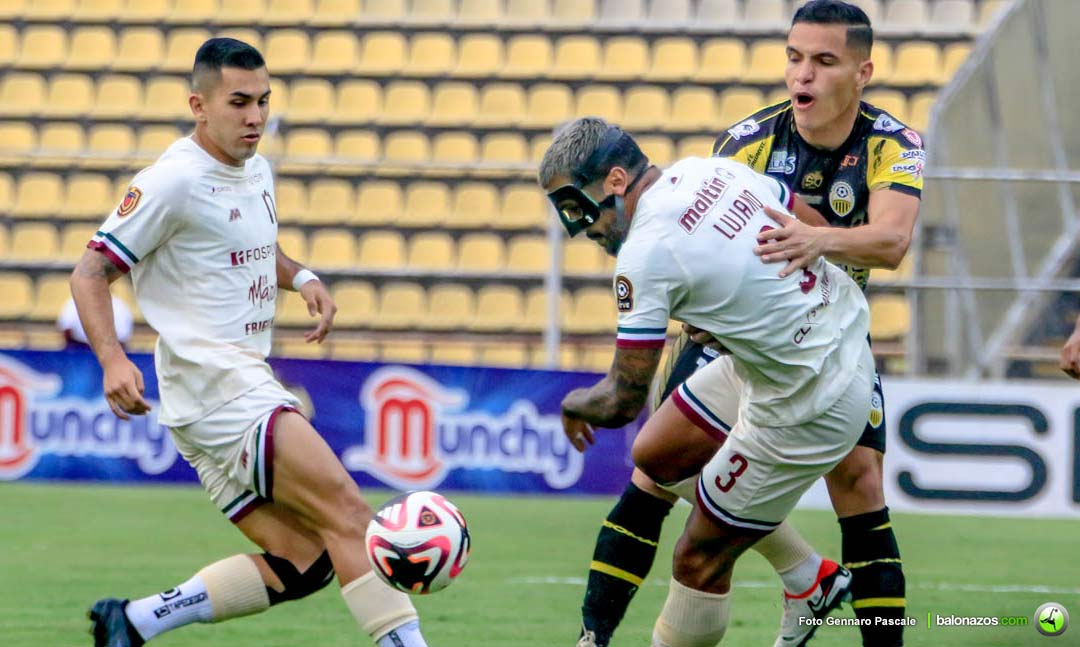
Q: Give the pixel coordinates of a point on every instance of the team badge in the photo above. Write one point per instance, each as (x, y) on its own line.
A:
(624, 293)
(877, 410)
(912, 137)
(130, 201)
(813, 180)
(841, 198)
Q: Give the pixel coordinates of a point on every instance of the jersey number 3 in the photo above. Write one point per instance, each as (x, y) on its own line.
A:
(740, 464)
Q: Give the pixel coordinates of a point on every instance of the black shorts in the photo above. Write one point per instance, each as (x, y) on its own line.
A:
(687, 356)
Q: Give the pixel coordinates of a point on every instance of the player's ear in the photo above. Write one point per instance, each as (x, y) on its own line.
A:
(198, 108)
(866, 72)
(616, 181)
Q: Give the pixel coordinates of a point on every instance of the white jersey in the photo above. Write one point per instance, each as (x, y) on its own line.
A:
(795, 342)
(199, 238)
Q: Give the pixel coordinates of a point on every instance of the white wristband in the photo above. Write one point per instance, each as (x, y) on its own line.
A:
(302, 277)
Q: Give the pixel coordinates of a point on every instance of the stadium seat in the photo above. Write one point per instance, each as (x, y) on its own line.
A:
(431, 13)
(378, 202)
(7, 193)
(18, 291)
(279, 98)
(764, 15)
(10, 10)
(333, 52)
(572, 14)
(22, 94)
(140, 49)
(501, 105)
(4, 242)
(599, 101)
(430, 251)
(646, 107)
(194, 12)
(475, 205)
(401, 306)
(427, 204)
(890, 317)
(298, 347)
(453, 353)
(97, 11)
(153, 140)
(548, 105)
(479, 56)
(714, 16)
(356, 303)
(596, 358)
(528, 56)
(291, 311)
(381, 250)
(523, 206)
(693, 108)
(403, 352)
(955, 55)
(479, 13)
(34, 242)
(905, 17)
(287, 51)
(673, 59)
(666, 15)
(872, 8)
(535, 315)
(501, 150)
(723, 60)
(454, 104)
(576, 57)
(526, 13)
(882, 57)
(949, 17)
(330, 202)
(989, 10)
(626, 58)
(696, 146)
(244, 34)
(917, 63)
(117, 96)
(618, 15)
(891, 101)
(306, 150)
(919, 110)
(60, 144)
(582, 257)
(882, 276)
(293, 242)
(37, 195)
(239, 12)
(593, 312)
(332, 249)
(430, 55)
(359, 101)
(17, 140)
(334, 13)
(383, 12)
(48, 10)
(503, 354)
(738, 104)
(91, 49)
(154, 12)
(9, 45)
(767, 61)
(291, 199)
(481, 253)
(498, 308)
(312, 101)
(166, 97)
(405, 103)
(382, 54)
(180, 48)
(281, 13)
(454, 152)
(528, 255)
(73, 241)
(537, 147)
(658, 148)
(404, 149)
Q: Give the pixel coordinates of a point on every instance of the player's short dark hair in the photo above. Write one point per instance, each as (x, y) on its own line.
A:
(217, 53)
(860, 35)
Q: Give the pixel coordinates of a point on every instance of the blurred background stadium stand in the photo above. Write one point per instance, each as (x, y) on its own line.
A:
(407, 132)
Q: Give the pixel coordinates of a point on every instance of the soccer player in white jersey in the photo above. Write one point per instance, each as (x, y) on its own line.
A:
(684, 240)
(198, 232)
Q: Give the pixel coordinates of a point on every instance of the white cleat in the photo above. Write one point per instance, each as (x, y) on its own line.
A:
(588, 638)
(803, 613)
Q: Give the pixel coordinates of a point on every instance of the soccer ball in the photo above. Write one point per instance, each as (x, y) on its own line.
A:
(418, 542)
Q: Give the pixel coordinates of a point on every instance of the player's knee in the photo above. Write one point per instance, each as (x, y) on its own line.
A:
(695, 565)
(858, 479)
(651, 463)
(296, 584)
(350, 513)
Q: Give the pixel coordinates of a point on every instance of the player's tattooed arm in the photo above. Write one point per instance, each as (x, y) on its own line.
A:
(620, 396)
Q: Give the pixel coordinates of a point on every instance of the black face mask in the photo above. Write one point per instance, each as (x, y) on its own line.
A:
(576, 209)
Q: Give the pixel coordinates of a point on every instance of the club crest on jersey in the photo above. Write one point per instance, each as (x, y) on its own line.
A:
(841, 198)
(813, 180)
(912, 137)
(781, 162)
(624, 293)
(130, 201)
(887, 124)
(745, 129)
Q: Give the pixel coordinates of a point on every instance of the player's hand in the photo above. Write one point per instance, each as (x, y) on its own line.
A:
(1070, 355)
(318, 301)
(579, 432)
(123, 386)
(795, 242)
(705, 338)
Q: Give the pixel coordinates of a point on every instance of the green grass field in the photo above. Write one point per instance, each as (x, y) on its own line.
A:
(62, 547)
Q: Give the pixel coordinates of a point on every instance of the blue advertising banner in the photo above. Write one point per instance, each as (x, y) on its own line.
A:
(406, 427)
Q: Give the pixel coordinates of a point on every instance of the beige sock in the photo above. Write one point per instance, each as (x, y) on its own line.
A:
(235, 588)
(378, 608)
(784, 548)
(691, 618)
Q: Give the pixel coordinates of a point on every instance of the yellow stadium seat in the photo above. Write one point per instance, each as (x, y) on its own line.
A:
(599, 101)
(427, 204)
(381, 250)
(646, 107)
(98, 10)
(48, 10)
(9, 44)
(475, 205)
(501, 105)
(538, 147)
(140, 49)
(536, 304)
(293, 243)
(715, 15)
(298, 347)
(166, 97)
(332, 249)
(430, 251)
(891, 101)
(523, 206)
(153, 140)
(693, 108)
(764, 15)
(291, 199)
(7, 192)
(356, 301)
(697, 146)
(11, 10)
(73, 241)
(576, 57)
(403, 352)
(593, 312)
(882, 276)
(919, 112)
(358, 102)
(279, 97)
(239, 12)
(306, 149)
(890, 317)
(479, 55)
(767, 61)
(355, 149)
(60, 143)
(378, 202)
(34, 242)
(291, 310)
(498, 308)
(452, 153)
(401, 305)
(431, 13)
(4, 243)
(882, 57)
(548, 105)
(247, 35)
(989, 10)
(287, 51)
(503, 149)
(481, 253)
(667, 14)
(526, 13)
(117, 96)
(382, 54)
(18, 291)
(280, 13)
(917, 63)
(954, 57)
(92, 49)
(872, 8)
(330, 202)
(738, 104)
(146, 12)
(37, 195)
(528, 56)
(192, 12)
(582, 257)
(673, 59)
(454, 104)
(87, 196)
(333, 52)
(405, 149)
(626, 58)
(17, 140)
(572, 13)
(383, 12)
(22, 94)
(69, 95)
(479, 13)
(502, 354)
(596, 358)
(905, 16)
(180, 48)
(528, 255)
(723, 60)
(405, 103)
(618, 15)
(430, 54)
(334, 13)
(312, 101)
(952, 17)
(658, 148)
(453, 353)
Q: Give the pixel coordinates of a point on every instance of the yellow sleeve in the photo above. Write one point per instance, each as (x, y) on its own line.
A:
(896, 163)
(755, 154)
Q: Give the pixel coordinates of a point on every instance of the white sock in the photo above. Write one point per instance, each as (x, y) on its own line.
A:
(804, 575)
(174, 608)
(407, 635)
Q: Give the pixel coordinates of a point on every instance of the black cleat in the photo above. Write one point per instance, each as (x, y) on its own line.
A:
(111, 626)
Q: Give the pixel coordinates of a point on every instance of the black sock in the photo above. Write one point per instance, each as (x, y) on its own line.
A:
(877, 588)
(623, 556)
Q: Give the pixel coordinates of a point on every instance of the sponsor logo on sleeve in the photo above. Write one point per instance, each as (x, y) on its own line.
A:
(914, 169)
(130, 201)
(841, 198)
(781, 162)
(912, 137)
(624, 293)
(745, 129)
(887, 124)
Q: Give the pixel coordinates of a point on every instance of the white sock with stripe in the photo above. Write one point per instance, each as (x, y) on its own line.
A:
(174, 608)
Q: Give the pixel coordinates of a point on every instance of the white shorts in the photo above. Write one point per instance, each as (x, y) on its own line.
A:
(232, 448)
(712, 402)
(760, 473)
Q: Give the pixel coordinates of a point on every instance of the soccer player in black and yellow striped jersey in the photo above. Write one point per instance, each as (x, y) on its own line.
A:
(861, 169)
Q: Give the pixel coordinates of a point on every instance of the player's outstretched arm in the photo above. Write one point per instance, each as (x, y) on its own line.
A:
(1070, 354)
(613, 401)
(312, 290)
(123, 382)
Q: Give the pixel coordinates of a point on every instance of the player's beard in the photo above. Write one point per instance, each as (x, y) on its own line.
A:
(619, 228)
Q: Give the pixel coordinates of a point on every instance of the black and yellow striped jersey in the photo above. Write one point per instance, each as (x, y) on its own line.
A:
(880, 153)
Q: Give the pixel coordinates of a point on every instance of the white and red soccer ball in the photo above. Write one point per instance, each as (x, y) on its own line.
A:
(418, 542)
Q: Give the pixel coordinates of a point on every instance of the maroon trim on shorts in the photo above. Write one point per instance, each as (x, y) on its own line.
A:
(268, 453)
